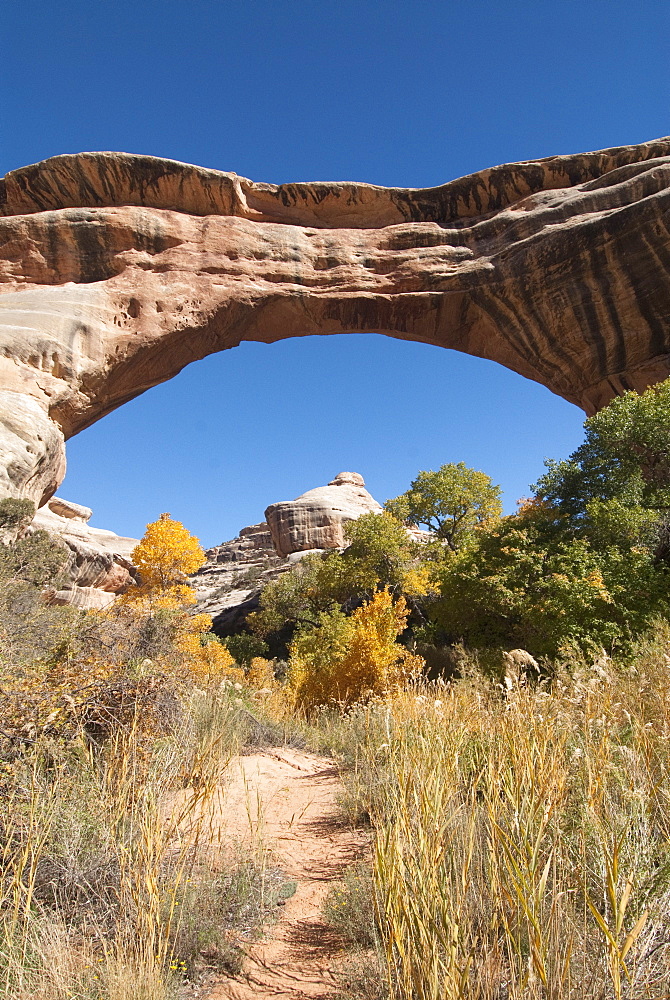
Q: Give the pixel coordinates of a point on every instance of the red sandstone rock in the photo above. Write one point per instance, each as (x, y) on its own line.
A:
(117, 270)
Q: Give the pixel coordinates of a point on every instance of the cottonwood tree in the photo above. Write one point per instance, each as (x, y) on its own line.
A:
(165, 557)
(517, 586)
(615, 489)
(451, 502)
(584, 563)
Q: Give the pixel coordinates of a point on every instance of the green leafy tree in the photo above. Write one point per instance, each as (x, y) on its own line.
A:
(514, 587)
(585, 562)
(380, 554)
(634, 433)
(615, 489)
(298, 596)
(451, 502)
(244, 648)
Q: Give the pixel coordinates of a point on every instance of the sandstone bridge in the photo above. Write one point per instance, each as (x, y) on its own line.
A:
(118, 270)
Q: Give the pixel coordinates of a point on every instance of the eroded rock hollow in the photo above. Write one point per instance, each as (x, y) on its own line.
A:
(118, 270)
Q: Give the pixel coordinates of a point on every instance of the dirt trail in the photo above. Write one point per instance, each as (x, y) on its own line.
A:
(288, 796)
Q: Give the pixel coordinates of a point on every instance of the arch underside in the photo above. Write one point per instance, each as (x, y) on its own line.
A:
(116, 271)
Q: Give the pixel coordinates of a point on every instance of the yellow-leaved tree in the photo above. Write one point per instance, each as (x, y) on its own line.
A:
(165, 557)
(349, 659)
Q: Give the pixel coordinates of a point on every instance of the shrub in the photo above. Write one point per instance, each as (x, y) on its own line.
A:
(213, 905)
(346, 660)
(244, 647)
(37, 559)
(205, 659)
(516, 587)
(350, 908)
(15, 516)
(261, 673)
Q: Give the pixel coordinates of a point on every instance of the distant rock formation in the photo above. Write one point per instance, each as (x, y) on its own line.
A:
(99, 567)
(316, 519)
(229, 585)
(117, 270)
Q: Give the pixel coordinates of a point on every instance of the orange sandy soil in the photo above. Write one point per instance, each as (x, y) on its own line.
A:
(287, 798)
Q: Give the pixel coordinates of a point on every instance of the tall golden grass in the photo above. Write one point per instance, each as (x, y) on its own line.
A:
(521, 839)
(523, 836)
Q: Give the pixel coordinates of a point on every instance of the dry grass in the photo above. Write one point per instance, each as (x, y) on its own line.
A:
(521, 850)
(523, 836)
(112, 882)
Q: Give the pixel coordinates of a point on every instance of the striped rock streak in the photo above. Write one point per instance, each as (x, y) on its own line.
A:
(117, 270)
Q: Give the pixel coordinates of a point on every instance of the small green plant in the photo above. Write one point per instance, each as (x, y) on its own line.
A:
(350, 907)
(219, 910)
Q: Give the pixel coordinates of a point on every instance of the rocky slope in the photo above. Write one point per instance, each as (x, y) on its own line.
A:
(99, 566)
(117, 270)
(229, 584)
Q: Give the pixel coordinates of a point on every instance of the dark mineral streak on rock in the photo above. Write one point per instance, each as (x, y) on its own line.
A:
(117, 270)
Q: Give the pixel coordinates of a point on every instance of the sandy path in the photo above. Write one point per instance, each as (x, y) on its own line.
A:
(288, 797)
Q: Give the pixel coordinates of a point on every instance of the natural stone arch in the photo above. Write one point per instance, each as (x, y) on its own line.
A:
(118, 270)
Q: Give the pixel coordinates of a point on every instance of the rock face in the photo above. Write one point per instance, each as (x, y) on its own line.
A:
(99, 567)
(316, 519)
(229, 584)
(117, 270)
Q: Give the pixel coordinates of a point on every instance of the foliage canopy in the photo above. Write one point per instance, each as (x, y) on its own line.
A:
(584, 563)
(450, 502)
(348, 659)
(380, 554)
(165, 556)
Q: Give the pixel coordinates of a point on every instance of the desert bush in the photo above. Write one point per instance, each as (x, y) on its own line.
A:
(348, 659)
(260, 673)
(219, 909)
(110, 870)
(203, 658)
(360, 976)
(243, 647)
(63, 670)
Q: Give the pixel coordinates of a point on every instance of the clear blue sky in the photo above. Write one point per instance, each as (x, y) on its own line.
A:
(401, 92)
